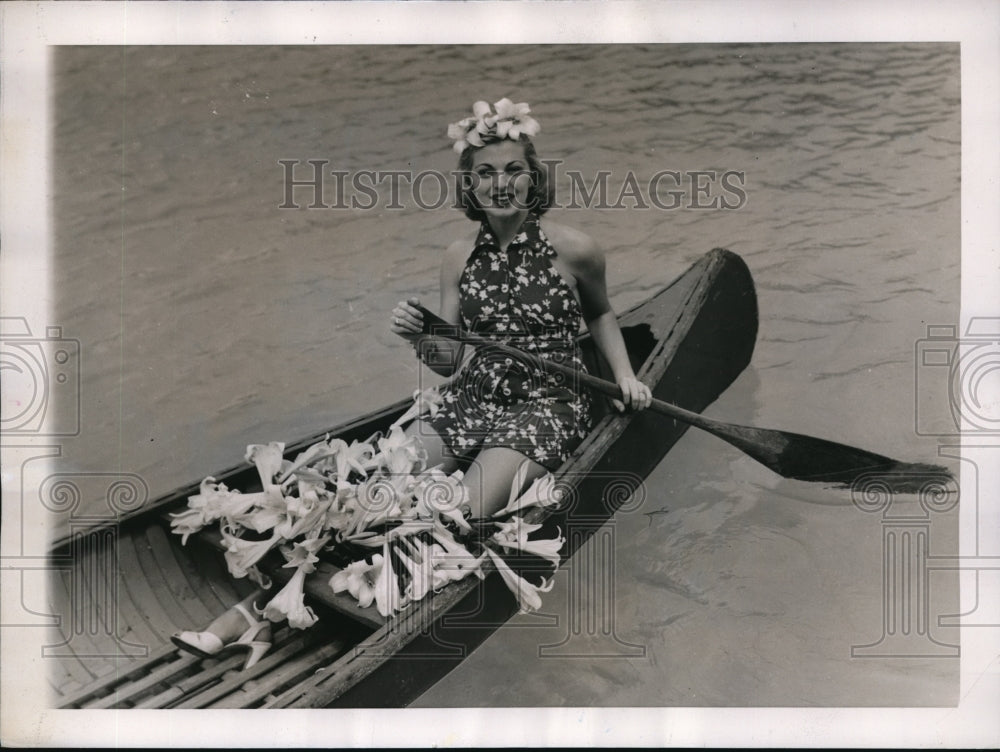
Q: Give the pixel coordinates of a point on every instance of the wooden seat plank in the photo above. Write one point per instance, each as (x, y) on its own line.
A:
(316, 586)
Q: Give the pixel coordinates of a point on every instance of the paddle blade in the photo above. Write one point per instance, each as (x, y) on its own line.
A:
(808, 458)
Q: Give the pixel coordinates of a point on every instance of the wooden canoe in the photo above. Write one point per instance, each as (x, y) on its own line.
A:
(124, 588)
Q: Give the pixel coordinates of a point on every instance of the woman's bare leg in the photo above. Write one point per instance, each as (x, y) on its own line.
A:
(490, 477)
(232, 623)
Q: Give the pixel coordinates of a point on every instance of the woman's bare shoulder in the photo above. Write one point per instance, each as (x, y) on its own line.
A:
(459, 250)
(456, 254)
(573, 246)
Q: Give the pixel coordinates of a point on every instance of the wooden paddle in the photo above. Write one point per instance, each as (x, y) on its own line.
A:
(790, 455)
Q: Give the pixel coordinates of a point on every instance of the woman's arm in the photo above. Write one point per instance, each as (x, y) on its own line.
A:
(586, 261)
(440, 355)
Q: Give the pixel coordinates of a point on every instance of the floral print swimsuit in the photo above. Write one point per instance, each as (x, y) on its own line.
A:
(519, 298)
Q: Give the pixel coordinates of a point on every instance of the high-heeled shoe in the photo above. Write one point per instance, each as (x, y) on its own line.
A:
(208, 645)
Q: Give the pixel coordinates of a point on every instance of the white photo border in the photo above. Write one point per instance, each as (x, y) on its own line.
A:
(29, 29)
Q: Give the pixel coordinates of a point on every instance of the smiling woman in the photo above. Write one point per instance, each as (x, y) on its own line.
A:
(514, 284)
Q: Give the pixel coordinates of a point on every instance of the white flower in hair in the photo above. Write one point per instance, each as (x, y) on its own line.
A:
(504, 120)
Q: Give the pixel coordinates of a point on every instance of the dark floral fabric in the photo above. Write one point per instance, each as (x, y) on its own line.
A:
(519, 298)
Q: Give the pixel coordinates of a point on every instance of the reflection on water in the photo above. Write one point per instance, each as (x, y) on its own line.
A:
(209, 318)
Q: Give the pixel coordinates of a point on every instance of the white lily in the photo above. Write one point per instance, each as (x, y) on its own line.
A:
(425, 402)
(358, 455)
(236, 504)
(270, 509)
(378, 498)
(400, 454)
(516, 528)
(310, 493)
(241, 554)
(421, 576)
(210, 499)
(292, 526)
(400, 532)
(186, 523)
(311, 454)
(290, 604)
(302, 554)
(541, 493)
(452, 561)
(440, 494)
(367, 539)
(268, 459)
(514, 535)
(527, 595)
(513, 119)
(359, 580)
(212, 502)
(456, 131)
(337, 520)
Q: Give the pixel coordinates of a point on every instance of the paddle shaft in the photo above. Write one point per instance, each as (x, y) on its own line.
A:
(791, 455)
(437, 326)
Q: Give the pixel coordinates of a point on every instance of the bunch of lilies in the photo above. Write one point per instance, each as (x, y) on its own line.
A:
(376, 502)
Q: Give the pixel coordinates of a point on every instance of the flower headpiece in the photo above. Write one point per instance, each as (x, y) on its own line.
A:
(509, 120)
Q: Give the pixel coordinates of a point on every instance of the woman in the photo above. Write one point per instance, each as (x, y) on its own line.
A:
(514, 283)
(523, 286)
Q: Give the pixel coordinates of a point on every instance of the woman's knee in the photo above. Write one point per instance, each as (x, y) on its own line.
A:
(495, 474)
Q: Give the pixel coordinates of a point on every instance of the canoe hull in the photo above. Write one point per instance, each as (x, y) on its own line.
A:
(690, 341)
(702, 347)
